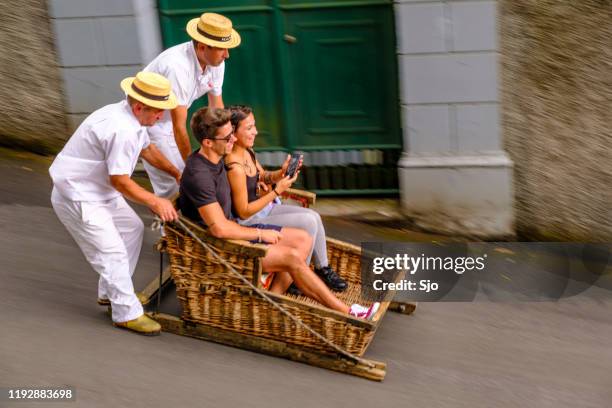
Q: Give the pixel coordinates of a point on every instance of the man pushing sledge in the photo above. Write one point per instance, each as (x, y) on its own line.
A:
(91, 179)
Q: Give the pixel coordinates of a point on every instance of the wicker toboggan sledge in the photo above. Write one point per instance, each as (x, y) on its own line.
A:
(219, 306)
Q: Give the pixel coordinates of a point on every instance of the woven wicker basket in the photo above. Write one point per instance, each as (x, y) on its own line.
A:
(211, 295)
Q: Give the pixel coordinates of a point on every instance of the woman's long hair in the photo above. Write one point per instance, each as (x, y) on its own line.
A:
(238, 114)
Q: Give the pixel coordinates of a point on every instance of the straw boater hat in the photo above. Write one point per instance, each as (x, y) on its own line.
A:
(151, 89)
(214, 30)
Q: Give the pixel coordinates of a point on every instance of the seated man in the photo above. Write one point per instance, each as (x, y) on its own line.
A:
(205, 197)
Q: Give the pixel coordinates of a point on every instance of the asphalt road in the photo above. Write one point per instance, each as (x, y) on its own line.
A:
(52, 333)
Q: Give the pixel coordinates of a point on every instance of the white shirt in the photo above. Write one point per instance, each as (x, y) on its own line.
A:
(189, 82)
(108, 142)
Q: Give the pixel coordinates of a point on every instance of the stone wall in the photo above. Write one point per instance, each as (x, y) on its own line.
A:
(31, 102)
(557, 115)
(454, 176)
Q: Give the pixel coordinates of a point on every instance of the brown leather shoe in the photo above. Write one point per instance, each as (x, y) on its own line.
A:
(142, 325)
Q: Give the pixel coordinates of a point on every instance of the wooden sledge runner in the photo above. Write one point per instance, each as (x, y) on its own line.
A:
(372, 370)
(218, 306)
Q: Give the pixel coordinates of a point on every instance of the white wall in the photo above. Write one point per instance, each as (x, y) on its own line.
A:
(454, 176)
(99, 43)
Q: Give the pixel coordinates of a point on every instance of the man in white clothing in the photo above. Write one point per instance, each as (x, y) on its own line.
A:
(194, 68)
(91, 177)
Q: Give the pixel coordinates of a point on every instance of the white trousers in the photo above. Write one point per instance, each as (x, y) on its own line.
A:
(164, 185)
(109, 234)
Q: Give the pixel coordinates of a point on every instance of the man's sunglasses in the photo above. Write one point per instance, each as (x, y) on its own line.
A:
(226, 138)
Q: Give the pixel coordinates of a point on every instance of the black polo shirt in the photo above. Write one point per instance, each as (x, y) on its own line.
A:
(204, 183)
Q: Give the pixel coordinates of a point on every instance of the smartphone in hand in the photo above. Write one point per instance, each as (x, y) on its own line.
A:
(293, 165)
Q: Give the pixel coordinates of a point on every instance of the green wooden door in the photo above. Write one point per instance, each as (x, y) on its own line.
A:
(320, 75)
(342, 66)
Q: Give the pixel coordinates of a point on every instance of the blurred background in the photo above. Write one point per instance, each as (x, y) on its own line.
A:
(420, 120)
(482, 118)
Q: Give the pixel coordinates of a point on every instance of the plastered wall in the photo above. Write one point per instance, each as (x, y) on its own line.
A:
(557, 115)
(31, 102)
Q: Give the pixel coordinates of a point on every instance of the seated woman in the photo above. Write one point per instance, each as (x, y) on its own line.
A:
(247, 176)
(206, 199)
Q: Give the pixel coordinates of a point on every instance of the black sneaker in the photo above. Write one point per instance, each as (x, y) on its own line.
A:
(331, 279)
(293, 290)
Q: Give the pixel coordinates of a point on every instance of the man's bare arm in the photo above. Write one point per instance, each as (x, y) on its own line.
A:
(215, 101)
(179, 127)
(155, 158)
(221, 227)
(133, 192)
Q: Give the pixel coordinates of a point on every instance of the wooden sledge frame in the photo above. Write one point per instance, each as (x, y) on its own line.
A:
(369, 369)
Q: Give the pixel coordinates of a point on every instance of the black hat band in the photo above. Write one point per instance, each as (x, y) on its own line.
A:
(148, 95)
(213, 37)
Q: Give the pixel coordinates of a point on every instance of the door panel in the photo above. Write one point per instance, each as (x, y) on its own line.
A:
(340, 97)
